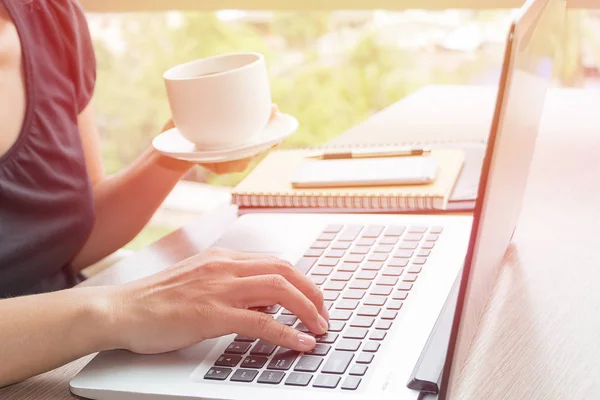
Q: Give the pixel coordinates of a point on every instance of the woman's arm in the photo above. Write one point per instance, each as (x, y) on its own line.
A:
(204, 297)
(41, 332)
(125, 202)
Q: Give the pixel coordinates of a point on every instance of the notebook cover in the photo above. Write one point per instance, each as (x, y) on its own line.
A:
(269, 185)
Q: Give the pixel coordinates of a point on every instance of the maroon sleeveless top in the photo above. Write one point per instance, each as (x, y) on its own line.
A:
(46, 203)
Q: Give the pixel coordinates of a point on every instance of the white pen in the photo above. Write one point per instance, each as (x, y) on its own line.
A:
(369, 153)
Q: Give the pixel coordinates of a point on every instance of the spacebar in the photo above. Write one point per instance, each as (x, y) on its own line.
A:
(305, 264)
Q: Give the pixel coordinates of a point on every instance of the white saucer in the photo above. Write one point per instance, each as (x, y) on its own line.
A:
(172, 144)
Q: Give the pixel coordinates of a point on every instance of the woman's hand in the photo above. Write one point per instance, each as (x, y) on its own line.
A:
(229, 166)
(211, 295)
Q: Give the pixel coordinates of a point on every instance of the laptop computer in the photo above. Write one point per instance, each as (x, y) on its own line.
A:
(385, 277)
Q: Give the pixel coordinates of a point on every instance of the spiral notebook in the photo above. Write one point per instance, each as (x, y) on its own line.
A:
(268, 186)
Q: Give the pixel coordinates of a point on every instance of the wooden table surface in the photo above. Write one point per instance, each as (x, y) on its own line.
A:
(539, 336)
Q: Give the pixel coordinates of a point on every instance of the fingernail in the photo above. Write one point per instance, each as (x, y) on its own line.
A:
(325, 312)
(323, 324)
(306, 342)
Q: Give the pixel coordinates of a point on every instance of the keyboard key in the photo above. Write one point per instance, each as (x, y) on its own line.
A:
(350, 233)
(424, 253)
(327, 381)
(274, 309)
(414, 269)
(319, 245)
(288, 320)
(336, 326)
(254, 362)
(228, 360)
(340, 315)
(341, 276)
(428, 245)
(240, 338)
(389, 314)
(373, 231)
(394, 305)
(387, 281)
(330, 295)
(381, 290)
(404, 254)
(244, 375)
(366, 275)
(378, 257)
(378, 335)
(341, 245)
(327, 338)
(419, 260)
(333, 228)
(372, 266)
(326, 237)
(329, 262)
(408, 245)
(365, 358)
(271, 377)
(348, 267)
(394, 230)
(368, 311)
(436, 229)
(393, 271)
(305, 264)
(337, 285)
(384, 325)
(238, 348)
(348, 345)
(389, 240)
(404, 286)
(286, 312)
(263, 348)
(318, 279)
(366, 242)
(328, 304)
(325, 271)
(335, 253)
(384, 248)
(338, 362)
(218, 373)
(375, 300)
(371, 347)
(308, 364)
(398, 262)
(354, 258)
(417, 229)
(347, 305)
(362, 285)
(355, 333)
(400, 295)
(320, 350)
(283, 359)
(413, 237)
(362, 322)
(432, 238)
(353, 294)
(410, 277)
(296, 379)
(360, 250)
(313, 253)
(351, 383)
(358, 370)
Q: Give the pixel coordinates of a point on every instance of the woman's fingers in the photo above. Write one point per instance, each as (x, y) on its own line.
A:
(276, 266)
(262, 326)
(275, 289)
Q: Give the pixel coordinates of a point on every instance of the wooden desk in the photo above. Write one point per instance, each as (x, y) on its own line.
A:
(539, 336)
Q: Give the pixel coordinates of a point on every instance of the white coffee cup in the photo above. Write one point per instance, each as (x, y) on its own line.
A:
(221, 101)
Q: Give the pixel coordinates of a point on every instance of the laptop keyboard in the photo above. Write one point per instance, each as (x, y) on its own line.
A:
(365, 273)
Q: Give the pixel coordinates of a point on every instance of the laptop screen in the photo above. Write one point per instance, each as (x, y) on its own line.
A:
(526, 76)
